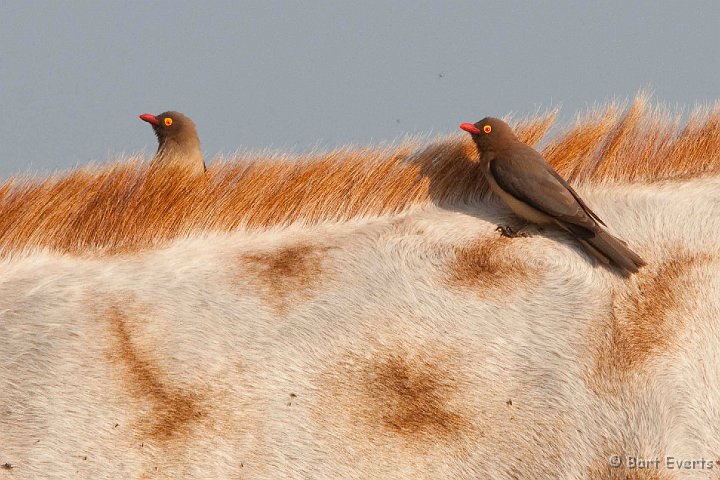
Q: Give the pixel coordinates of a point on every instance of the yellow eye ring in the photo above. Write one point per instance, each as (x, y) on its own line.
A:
(168, 121)
(487, 129)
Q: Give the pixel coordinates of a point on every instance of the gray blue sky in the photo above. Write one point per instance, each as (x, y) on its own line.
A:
(296, 75)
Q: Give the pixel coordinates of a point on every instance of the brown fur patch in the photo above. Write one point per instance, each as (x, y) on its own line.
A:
(173, 411)
(490, 265)
(410, 399)
(287, 274)
(127, 207)
(646, 315)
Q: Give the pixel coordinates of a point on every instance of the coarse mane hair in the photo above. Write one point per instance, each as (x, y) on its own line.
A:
(125, 207)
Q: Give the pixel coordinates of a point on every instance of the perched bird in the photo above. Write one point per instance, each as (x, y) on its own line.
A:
(532, 189)
(178, 142)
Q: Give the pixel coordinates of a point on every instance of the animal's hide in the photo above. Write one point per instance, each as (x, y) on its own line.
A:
(413, 345)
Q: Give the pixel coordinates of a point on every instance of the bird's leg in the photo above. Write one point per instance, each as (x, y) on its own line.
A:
(505, 231)
(508, 231)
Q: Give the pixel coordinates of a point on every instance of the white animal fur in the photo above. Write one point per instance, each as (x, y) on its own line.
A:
(368, 362)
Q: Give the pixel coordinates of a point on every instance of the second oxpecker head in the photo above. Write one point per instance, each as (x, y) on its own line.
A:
(171, 126)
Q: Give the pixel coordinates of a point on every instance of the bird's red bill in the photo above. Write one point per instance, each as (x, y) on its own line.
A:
(469, 127)
(149, 118)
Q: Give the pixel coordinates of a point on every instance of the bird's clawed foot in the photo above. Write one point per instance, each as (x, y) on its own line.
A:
(507, 231)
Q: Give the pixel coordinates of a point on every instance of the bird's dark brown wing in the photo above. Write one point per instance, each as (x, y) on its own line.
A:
(524, 174)
(577, 197)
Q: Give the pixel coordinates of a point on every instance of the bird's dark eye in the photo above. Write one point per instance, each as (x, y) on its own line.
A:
(486, 128)
(168, 121)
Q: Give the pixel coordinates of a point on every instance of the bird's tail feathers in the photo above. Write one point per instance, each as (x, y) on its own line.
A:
(614, 249)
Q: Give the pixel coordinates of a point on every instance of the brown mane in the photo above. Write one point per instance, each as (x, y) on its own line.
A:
(126, 208)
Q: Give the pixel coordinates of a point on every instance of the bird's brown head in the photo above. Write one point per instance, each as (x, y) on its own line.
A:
(490, 133)
(172, 126)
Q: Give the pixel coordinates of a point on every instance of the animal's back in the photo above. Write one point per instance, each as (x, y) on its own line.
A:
(414, 345)
(357, 316)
